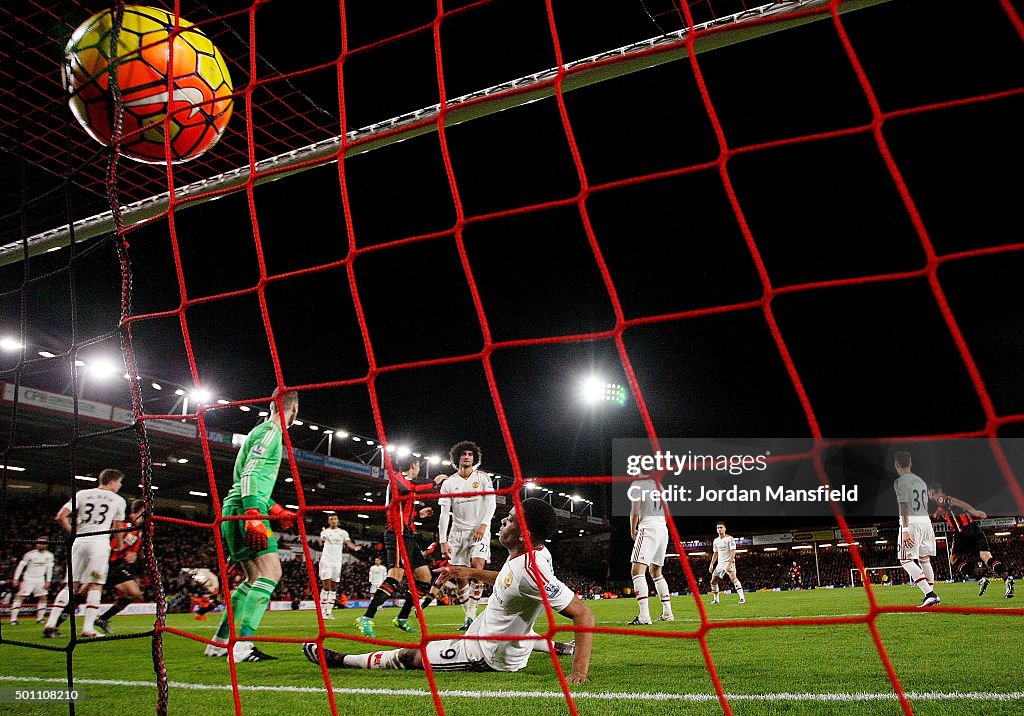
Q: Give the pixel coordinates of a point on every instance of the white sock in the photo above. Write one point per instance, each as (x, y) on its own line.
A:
(375, 660)
(640, 591)
(738, 587)
(58, 606)
(92, 608)
(14, 609)
(917, 576)
(331, 596)
(326, 603)
(41, 608)
(474, 598)
(929, 573)
(468, 605)
(661, 585)
(714, 591)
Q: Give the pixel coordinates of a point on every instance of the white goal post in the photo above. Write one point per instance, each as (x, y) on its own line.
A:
(728, 30)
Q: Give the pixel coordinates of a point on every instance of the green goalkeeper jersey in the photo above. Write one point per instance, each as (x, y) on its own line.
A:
(256, 468)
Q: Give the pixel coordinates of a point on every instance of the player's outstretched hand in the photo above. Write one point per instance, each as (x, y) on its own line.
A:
(576, 678)
(451, 571)
(284, 518)
(255, 531)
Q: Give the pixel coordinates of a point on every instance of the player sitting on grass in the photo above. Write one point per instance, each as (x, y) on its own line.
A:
(513, 609)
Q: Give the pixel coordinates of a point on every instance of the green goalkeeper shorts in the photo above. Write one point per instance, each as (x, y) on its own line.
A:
(233, 532)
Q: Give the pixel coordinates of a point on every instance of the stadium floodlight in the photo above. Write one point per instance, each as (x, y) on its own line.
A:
(263, 413)
(314, 427)
(341, 434)
(244, 408)
(10, 345)
(362, 516)
(434, 459)
(292, 507)
(297, 422)
(595, 390)
(356, 438)
(201, 396)
(221, 401)
(576, 498)
(289, 479)
(85, 478)
(403, 451)
(390, 449)
(101, 368)
(328, 431)
(370, 442)
(157, 386)
(197, 493)
(182, 460)
(46, 354)
(80, 363)
(531, 486)
(179, 391)
(368, 494)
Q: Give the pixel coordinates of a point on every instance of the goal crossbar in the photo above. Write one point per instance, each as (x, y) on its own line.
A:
(720, 32)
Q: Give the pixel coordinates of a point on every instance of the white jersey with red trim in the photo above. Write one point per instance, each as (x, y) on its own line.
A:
(516, 605)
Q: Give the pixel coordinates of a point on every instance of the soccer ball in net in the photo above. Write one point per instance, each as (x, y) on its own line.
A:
(198, 108)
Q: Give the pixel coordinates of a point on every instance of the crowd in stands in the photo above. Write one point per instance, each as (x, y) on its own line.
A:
(179, 547)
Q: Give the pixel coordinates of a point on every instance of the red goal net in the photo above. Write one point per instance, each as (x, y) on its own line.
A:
(790, 219)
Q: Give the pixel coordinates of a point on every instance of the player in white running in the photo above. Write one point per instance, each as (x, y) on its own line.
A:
(378, 573)
(335, 539)
(32, 579)
(468, 544)
(650, 540)
(99, 512)
(724, 554)
(917, 539)
(516, 604)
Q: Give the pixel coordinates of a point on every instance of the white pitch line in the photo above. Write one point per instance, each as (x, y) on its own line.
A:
(593, 695)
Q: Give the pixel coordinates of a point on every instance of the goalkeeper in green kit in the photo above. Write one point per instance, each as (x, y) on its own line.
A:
(250, 542)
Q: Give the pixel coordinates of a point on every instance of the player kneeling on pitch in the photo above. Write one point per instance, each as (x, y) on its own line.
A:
(513, 609)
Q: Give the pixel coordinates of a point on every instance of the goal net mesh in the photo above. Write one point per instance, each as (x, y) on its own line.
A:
(734, 226)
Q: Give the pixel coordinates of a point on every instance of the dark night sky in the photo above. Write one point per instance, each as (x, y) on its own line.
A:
(876, 359)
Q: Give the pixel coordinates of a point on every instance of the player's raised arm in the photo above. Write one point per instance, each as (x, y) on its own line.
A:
(582, 617)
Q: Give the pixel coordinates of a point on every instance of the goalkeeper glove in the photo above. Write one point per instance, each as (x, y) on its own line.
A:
(284, 518)
(256, 533)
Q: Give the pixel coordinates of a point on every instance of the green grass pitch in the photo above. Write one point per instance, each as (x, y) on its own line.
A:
(955, 664)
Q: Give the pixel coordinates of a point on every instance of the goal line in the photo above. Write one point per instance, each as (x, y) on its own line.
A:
(860, 696)
(728, 30)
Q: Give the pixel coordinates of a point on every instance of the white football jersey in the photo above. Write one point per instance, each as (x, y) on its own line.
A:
(468, 513)
(913, 492)
(723, 546)
(649, 508)
(97, 510)
(515, 606)
(378, 573)
(334, 543)
(35, 566)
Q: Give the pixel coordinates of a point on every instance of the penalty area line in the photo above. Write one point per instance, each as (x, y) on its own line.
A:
(591, 695)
